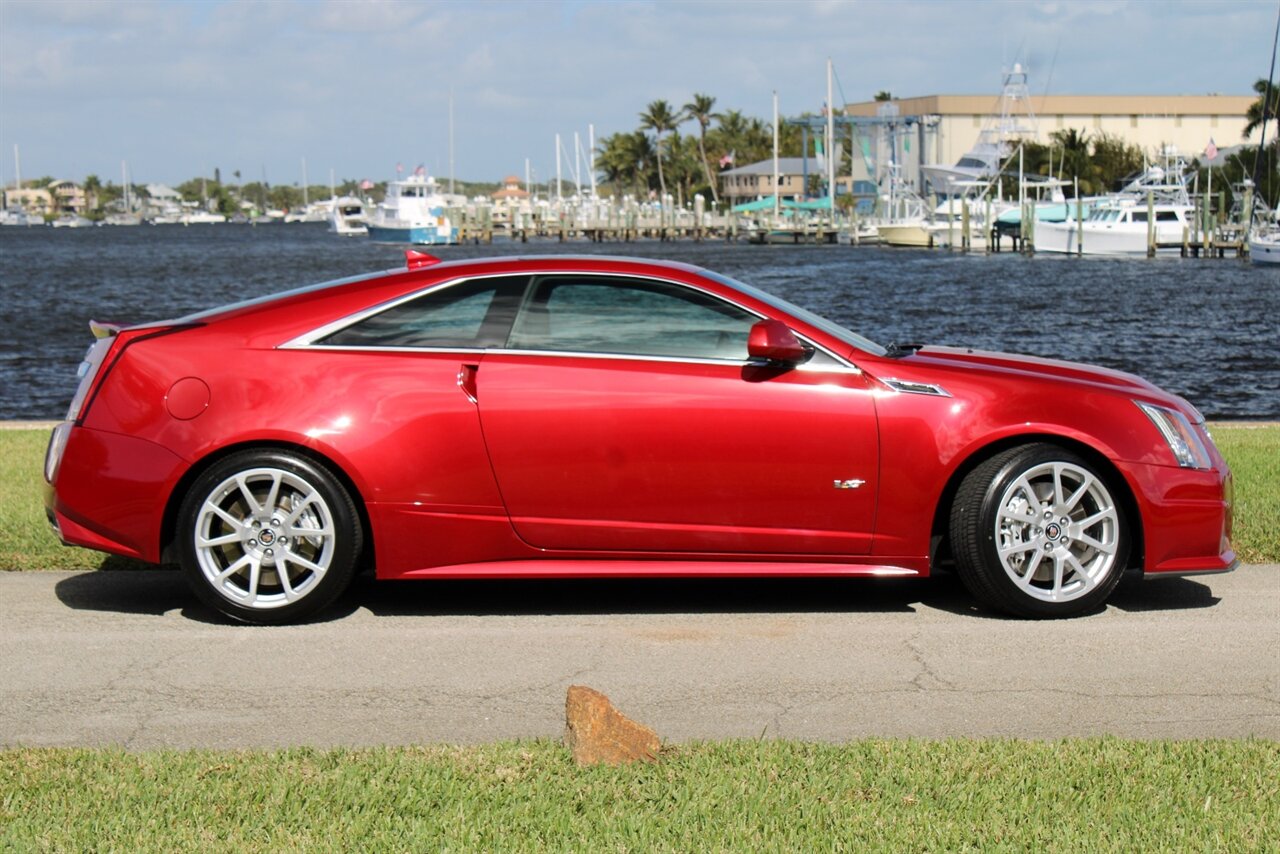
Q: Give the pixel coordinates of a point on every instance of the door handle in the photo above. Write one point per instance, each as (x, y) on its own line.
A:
(467, 381)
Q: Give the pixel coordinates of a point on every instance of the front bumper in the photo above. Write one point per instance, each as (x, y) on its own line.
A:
(1187, 517)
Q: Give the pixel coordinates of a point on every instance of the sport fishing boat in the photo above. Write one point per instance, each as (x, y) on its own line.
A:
(1154, 210)
(415, 211)
(347, 219)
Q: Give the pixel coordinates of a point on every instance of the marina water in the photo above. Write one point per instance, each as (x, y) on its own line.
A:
(1205, 329)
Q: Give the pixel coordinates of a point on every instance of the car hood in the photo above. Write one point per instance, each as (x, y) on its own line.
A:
(957, 358)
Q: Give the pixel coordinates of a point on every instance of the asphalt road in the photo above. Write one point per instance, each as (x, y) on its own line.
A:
(129, 658)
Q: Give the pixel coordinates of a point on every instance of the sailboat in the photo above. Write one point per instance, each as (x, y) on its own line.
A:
(125, 216)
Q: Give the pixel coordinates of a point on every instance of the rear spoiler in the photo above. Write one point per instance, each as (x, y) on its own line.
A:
(104, 330)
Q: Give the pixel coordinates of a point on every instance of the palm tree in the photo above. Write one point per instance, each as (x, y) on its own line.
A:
(1074, 154)
(700, 110)
(659, 118)
(92, 192)
(626, 159)
(1255, 114)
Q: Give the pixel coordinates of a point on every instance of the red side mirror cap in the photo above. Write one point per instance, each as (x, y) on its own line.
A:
(774, 341)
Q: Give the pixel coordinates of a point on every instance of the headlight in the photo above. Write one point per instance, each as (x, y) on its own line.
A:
(1181, 437)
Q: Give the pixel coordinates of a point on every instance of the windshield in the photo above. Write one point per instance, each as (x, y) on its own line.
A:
(817, 321)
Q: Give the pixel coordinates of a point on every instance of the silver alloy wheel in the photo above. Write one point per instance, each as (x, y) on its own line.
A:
(1057, 532)
(264, 538)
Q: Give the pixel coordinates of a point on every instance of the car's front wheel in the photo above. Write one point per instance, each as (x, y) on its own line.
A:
(1038, 532)
(268, 537)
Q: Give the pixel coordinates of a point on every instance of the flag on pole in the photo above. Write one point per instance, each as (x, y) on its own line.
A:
(420, 171)
(727, 160)
(399, 168)
(1210, 150)
(366, 184)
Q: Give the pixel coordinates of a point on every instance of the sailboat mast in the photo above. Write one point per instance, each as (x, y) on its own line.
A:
(591, 156)
(831, 147)
(450, 140)
(777, 202)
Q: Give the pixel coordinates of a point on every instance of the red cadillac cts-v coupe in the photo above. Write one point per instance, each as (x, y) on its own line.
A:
(599, 416)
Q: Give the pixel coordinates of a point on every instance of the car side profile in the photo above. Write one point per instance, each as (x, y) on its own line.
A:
(600, 416)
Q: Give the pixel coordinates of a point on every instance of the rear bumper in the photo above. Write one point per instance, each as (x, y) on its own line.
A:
(109, 492)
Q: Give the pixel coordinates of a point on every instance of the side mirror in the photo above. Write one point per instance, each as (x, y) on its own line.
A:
(773, 341)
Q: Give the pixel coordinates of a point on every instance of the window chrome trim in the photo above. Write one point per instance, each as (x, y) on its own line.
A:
(308, 339)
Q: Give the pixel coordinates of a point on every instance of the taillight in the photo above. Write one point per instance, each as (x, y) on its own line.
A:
(112, 340)
(104, 335)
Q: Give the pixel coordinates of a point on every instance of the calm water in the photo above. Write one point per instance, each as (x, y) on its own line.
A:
(1204, 329)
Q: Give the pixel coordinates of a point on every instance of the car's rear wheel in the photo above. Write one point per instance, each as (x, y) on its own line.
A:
(1038, 532)
(268, 537)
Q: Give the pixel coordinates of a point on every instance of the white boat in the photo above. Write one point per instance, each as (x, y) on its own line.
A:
(1154, 209)
(996, 141)
(904, 221)
(1264, 246)
(201, 217)
(72, 221)
(1117, 227)
(347, 218)
(415, 211)
(312, 212)
(17, 216)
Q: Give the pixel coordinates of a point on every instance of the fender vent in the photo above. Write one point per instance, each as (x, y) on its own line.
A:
(907, 387)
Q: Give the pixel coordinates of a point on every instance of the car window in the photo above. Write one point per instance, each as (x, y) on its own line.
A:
(471, 314)
(629, 316)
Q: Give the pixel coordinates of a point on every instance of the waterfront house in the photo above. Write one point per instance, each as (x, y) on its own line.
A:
(510, 200)
(69, 198)
(755, 181)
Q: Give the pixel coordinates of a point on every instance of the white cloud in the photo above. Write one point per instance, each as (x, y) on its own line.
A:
(359, 85)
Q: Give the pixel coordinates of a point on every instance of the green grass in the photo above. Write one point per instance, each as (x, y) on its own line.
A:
(1254, 455)
(27, 542)
(958, 795)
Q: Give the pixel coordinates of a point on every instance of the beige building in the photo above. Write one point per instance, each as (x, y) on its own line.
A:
(35, 200)
(60, 197)
(952, 122)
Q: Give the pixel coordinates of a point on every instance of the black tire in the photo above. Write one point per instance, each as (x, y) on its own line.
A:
(256, 513)
(1038, 531)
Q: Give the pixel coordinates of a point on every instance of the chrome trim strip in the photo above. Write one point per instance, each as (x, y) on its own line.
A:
(911, 387)
(307, 339)
(571, 354)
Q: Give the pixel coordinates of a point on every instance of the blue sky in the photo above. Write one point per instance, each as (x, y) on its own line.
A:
(177, 88)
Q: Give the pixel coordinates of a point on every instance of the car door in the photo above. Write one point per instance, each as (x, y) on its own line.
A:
(402, 385)
(624, 415)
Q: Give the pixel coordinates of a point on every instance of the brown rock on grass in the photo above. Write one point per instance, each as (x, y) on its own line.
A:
(597, 733)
